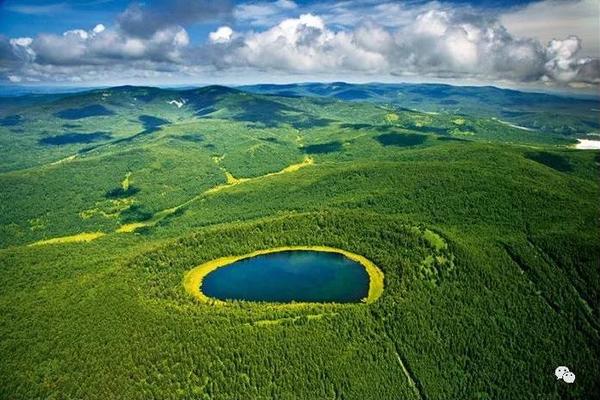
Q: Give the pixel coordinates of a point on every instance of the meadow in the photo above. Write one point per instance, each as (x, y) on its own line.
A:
(487, 235)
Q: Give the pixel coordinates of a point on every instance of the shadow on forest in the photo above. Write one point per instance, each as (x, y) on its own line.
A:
(451, 139)
(11, 120)
(75, 138)
(151, 123)
(269, 139)
(322, 148)
(94, 110)
(400, 140)
(552, 160)
(135, 213)
(194, 138)
(356, 127)
(120, 193)
(428, 129)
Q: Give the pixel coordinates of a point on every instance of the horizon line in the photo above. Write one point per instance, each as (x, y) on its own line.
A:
(562, 91)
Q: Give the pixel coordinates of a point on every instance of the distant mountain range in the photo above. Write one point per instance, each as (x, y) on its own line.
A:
(538, 111)
(561, 114)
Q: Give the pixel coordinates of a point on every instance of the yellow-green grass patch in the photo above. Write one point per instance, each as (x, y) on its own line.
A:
(392, 117)
(129, 228)
(126, 182)
(107, 208)
(81, 237)
(458, 132)
(435, 240)
(64, 160)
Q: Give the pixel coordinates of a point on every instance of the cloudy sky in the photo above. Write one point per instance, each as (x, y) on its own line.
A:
(519, 43)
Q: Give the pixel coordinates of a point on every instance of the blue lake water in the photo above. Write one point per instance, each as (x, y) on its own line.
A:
(298, 275)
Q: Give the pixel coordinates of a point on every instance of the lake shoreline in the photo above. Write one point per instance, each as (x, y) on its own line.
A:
(192, 280)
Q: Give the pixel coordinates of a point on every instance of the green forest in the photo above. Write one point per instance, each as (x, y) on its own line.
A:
(485, 225)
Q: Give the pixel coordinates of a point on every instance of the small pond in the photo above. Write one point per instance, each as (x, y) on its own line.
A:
(286, 276)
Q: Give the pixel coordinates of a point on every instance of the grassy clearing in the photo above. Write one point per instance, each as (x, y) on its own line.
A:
(81, 237)
(193, 278)
(64, 160)
(107, 208)
(129, 228)
(392, 117)
(435, 240)
(295, 167)
(232, 180)
(126, 182)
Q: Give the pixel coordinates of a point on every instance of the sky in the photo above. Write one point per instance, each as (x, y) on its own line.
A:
(519, 43)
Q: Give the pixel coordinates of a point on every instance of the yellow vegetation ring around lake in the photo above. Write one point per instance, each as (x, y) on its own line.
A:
(192, 280)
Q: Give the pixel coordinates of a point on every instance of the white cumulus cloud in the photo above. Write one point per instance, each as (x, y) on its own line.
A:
(429, 40)
(304, 45)
(437, 42)
(221, 35)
